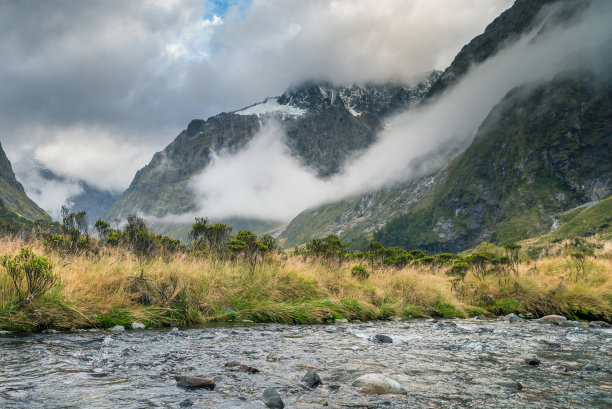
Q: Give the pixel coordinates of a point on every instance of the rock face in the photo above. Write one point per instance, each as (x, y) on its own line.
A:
(194, 382)
(324, 125)
(377, 384)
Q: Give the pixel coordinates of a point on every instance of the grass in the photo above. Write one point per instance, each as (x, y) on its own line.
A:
(100, 291)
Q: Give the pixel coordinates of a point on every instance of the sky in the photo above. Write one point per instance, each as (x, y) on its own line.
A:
(93, 89)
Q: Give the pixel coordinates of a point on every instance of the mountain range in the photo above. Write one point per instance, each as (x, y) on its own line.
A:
(542, 150)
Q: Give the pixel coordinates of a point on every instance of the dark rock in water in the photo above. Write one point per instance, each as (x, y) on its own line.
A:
(510, 385)
(193, 382)
(512, 318)
(382, 339)
(311, 379)
(599, 324)
(531, 360)
(592, 367)
(187, 403)
(570, 324)
(272, 399)
(237, 366)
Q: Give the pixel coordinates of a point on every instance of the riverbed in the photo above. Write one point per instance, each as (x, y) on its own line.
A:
(445, 364)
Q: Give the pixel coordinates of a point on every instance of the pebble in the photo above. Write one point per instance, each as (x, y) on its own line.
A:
(193, 382)
(272, 399)
(187, 403)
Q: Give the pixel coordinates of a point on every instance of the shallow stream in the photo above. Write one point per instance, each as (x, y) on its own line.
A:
(446, 364)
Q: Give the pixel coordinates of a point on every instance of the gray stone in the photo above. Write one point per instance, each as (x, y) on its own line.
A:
(510, 385)
(378, 384)
(602, 324)
(311, 379)
(395, 318)
(194, 382)
(572, 324)
(138, 325)
(382, 339)
(237, 366)
(5, 332)
(341, 321)
(272, 399)
(553, 319)
(174, 329)
(512, 318)
(187, 403)
(531, 360)
(117, 328)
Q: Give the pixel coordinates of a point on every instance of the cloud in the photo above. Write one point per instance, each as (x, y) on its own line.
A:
(135, 73)
(263, 181)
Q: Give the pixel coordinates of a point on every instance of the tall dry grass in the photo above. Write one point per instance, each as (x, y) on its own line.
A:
(99, 291)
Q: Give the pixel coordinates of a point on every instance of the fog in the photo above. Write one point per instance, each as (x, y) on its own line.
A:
(263, 181)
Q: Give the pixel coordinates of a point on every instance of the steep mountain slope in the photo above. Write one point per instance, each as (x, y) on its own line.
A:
(13, 196)
(539, 152)
(517, 20)
(324, 125)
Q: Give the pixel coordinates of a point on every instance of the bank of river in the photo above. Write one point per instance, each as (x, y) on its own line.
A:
(445, 364)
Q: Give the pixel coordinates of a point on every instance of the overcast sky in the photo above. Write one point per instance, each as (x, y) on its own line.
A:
(93, 88)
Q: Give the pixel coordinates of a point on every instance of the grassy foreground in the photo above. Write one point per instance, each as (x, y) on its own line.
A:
(114, 288)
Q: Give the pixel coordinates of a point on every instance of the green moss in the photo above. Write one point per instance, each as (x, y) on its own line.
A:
(445, 310)
(505, 306)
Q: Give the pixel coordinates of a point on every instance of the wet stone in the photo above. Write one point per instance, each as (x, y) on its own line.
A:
(117, 328)
(569, 324)
(599, 324)
(382, 339)
(194, 382)
(311, 379)
(553, 319)
(238, 367)
(187, 403)
(272, 399)
(378, 384)
(510, 385)
(531, 360)
(512, 318)
(138, 325)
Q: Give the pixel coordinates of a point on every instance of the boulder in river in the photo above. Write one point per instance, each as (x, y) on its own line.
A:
(531, 360)
(570, 324)
(272, 399)
(311, 379)
(237, 366)
(382, 339)
(512, 318)
(510, 385)
(378, 384)
(553, 319)
(597, 324)
(194, 382)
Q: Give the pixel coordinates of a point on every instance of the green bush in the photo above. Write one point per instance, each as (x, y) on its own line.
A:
(37, 272)
(360, 272)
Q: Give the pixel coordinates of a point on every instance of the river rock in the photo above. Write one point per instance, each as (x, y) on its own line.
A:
(378, 384)
(341, 321)
(138, 325)
(272, 399)
(117, 328)
(382, 339)
(512, 318)
(194, 382)
(510, 385)
(5, 332)
(571, 324)
(602, 324)
(395, 318)
(187, 403)
(311, 379)
(531, 360)
(553, 319)
(237, 366)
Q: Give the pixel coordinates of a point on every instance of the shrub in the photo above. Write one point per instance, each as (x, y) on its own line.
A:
(512, 252)
(327, 247)
(36, 271)
(360, 272)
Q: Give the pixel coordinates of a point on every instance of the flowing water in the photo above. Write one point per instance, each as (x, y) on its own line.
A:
(446, 364)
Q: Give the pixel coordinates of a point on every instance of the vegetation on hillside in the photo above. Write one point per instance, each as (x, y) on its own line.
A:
(130, 274)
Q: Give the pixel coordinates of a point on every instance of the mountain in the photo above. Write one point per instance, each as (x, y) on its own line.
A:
(16, 208)
(541, 151)
(324, 125)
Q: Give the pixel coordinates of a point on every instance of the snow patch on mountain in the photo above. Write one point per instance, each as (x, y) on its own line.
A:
(271, 106)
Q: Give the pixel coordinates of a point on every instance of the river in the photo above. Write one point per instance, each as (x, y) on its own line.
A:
(445, 364)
